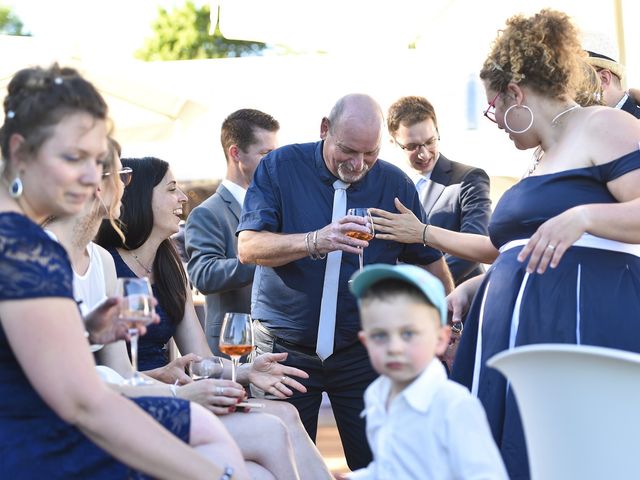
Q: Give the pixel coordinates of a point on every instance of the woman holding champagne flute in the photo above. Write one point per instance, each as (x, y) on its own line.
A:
(57, 418)
(152, 205)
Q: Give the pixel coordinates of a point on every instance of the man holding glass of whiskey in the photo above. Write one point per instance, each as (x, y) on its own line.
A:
(295, 228)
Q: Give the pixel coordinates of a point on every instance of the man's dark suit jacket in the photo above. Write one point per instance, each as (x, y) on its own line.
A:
(214, 268)
(457, 198)
(632, 107)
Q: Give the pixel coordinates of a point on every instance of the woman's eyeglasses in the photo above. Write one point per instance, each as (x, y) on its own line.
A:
(490, 112)
(125, 175)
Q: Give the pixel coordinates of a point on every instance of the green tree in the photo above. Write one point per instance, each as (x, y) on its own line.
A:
(183, 34)
(10, 24)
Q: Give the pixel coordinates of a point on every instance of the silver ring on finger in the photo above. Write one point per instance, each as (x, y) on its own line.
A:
(219, 391)
(283, 379)
(551, 247)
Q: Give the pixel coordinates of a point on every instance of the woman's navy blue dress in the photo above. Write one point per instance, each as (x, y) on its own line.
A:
(152, 352)
(591, 298)
(34, 441)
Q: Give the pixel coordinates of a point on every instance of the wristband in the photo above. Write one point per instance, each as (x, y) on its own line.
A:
(174, 390)
(318, 255)
(306, 242)
(424, 235)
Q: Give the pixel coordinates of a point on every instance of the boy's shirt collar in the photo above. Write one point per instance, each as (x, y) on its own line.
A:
(419, 394)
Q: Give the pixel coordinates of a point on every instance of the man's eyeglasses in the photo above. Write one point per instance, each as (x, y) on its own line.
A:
(412, 147)
(125, 175)
(490, 112)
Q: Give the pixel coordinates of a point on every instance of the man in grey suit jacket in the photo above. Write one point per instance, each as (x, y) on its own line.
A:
(210, 236)
(455, 196)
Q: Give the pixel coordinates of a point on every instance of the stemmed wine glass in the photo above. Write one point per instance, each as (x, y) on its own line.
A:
(236, 338)
(136, 309)
(362, 212)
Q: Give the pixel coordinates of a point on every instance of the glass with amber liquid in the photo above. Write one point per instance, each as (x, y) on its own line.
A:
(236, 338)
(362, 212)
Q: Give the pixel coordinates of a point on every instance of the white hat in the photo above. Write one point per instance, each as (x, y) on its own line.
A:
(603, 53)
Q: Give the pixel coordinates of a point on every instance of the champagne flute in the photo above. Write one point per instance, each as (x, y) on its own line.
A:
(136, 309)
(207, 367)
(362, 212)
(236, 338)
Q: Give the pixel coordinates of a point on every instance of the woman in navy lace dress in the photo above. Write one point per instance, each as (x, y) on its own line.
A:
(57, 418)
(564, 241)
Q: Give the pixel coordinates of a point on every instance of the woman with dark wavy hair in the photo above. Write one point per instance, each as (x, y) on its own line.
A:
(151, 210)
(148, 220)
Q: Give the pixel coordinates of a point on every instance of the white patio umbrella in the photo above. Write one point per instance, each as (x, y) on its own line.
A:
(142, 109)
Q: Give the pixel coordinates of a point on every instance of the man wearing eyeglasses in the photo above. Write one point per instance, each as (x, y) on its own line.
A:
(455, 196)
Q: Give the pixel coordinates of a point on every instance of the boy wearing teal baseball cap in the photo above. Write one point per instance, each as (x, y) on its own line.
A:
(419, 424)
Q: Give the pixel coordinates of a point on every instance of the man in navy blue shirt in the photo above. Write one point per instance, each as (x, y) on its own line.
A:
(286, 228)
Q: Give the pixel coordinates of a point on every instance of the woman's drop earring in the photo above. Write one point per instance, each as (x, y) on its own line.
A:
(15, 189)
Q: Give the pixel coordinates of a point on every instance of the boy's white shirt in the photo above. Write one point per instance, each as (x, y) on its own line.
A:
(433, 429)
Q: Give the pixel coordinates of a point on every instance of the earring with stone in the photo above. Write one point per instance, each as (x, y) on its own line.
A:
(15, 188)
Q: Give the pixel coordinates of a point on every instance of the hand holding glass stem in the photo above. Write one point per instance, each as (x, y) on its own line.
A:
(137, 308)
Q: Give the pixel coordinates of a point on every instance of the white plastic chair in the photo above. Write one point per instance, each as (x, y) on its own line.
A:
(580, 409)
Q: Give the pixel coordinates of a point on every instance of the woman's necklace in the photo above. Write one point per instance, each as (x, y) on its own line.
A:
(555, 119)
(144, 267)
(539, 153)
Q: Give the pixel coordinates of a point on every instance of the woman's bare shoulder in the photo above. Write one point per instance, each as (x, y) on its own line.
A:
(609, 133)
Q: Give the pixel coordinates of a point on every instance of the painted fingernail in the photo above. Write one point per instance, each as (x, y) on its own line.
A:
(232, 409)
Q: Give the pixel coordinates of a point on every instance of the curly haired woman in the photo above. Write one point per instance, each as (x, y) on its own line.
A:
(564, 240)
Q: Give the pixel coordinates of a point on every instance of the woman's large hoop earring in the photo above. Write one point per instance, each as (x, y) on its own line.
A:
(15, 188)
(506, 124)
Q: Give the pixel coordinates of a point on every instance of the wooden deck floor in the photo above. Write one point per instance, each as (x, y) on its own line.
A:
(328, 442)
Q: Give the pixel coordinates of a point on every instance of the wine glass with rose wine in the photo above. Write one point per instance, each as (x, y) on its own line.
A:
(136, 309)
(362, 212)
(236, 338)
